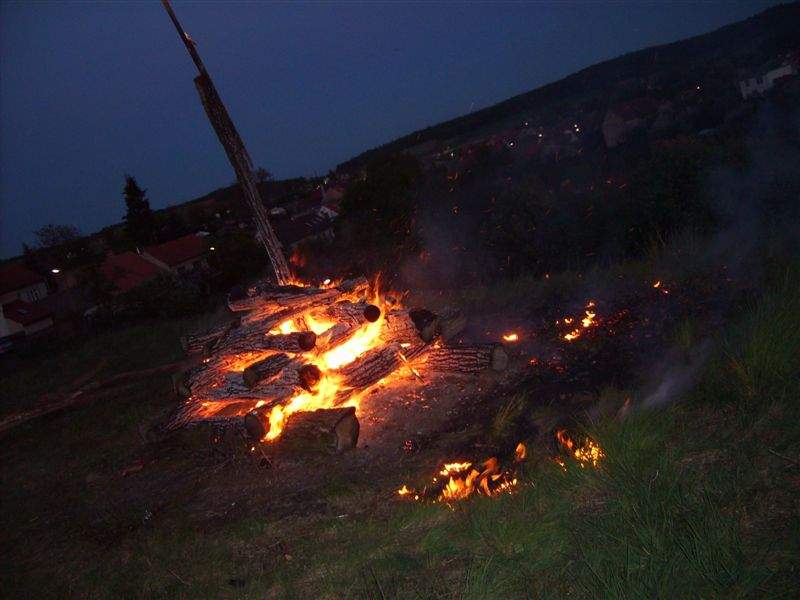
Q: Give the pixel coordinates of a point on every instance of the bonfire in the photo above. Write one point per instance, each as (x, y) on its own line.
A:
(298, 359)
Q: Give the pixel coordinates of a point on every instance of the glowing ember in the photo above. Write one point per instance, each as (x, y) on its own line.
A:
(657, 284)
(587, 453)
(511, 337)
(588, 320)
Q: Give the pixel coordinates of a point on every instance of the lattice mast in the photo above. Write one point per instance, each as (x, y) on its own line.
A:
(237, 153)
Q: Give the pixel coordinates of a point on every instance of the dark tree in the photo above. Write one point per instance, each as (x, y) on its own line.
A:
(376, 220)
(139, 221)
(50, 236)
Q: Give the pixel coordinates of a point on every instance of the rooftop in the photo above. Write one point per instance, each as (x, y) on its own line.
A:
(178, 251)
(128, 270)
(25, 313)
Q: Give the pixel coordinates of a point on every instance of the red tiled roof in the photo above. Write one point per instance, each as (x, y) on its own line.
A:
(25, 313)
(16, 276)
(127, 270)
(178, 251)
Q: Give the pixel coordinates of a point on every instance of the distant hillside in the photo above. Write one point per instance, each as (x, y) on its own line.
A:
(723, 54)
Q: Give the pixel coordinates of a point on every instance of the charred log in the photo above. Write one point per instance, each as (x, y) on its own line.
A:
(201, 343)
(309, 377)
(467, 359)
(373, 366)
(371, 313)
(326, 430)
(296, 343)
(451, 325)
(265, 369)
(426, 322)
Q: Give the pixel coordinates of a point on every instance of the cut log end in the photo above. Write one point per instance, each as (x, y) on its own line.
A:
(499, 359)
(326, 430)
(254, 425)
(307, 340)
(309, 376)
(372, 313)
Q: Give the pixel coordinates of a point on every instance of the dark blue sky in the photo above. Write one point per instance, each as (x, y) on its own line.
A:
(90, 91)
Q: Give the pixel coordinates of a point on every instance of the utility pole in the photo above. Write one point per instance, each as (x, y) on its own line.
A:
(237, 153)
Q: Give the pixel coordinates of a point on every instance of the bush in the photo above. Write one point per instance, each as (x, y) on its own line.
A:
(164, 296)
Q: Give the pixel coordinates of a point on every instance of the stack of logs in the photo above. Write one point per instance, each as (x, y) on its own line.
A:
(279, 365)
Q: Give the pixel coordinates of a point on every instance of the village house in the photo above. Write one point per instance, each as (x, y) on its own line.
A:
(765, 81)
(179, 256)
(182, 256)
(127, 270)
(21, 291)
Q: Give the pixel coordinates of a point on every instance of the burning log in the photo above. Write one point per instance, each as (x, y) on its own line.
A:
(356, 313)
(201, 343)
(372, 313)
(264, 293)
(467, 359)
(265, 369)
(309, 377)
(373, 366)
(325, 430)
(296, 342)
(270, 297)
(403, 326)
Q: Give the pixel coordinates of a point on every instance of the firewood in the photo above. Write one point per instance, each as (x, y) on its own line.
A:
(338, 334)
(400, 327)
(466, 359)
(255, 424)
(346, 311)
(451, 326)
(372, 313)
(354, 287)
(426, 322)
(202, 342)
(265, 369)
(326, 430)
(265, 292)
(269, 297)
(374, 365)
(296, 342)
(309, 377)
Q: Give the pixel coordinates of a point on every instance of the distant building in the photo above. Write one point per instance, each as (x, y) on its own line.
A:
(19, 282)
(180, 256)
(311, 226)
(127, 271)
(29, 317)
(759, 84)
(21, 289)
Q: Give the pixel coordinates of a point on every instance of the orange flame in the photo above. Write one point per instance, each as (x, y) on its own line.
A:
(325, 395)
(511, 337)
(463, 479)
(588, 452)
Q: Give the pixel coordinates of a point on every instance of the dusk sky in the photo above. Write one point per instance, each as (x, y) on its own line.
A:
(90, 91)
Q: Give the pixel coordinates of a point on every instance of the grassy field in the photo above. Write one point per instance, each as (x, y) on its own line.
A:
(697, 498)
